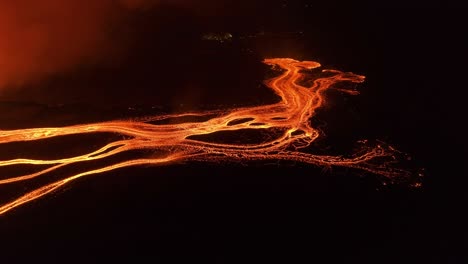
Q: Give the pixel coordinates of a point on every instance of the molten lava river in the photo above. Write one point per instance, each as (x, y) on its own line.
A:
(287, 125)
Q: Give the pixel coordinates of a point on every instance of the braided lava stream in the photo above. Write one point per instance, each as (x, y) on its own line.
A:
(174, 142)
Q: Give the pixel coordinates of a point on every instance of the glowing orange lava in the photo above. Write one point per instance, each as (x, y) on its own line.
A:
(174, 142)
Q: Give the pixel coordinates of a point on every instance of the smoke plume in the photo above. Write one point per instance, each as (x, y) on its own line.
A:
(40, 38)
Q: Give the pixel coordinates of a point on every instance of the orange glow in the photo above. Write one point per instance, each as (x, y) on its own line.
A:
(290, 117)
(42, 38)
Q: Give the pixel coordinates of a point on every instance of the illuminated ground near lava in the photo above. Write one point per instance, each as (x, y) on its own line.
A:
(176, 141)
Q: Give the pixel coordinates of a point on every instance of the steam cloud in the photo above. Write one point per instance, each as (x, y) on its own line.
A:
(39, 38)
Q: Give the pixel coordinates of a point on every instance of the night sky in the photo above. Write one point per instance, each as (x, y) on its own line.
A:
(131, 57)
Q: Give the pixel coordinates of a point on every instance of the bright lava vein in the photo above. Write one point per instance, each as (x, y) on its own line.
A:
(175, 142)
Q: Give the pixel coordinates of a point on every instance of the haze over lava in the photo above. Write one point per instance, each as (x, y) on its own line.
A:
(42, 38)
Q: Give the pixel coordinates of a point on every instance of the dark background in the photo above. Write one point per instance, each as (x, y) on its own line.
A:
(413, 59)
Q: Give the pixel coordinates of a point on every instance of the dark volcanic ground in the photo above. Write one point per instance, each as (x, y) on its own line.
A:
(260, 213)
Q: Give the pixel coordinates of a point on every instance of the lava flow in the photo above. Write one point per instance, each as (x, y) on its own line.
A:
(175, 142)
